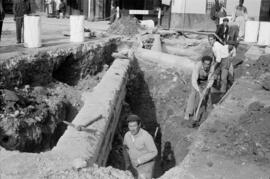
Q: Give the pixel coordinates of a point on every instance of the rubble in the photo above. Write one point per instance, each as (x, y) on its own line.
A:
(93, 172)
(260, 67)
(126, 25)
(28, 121)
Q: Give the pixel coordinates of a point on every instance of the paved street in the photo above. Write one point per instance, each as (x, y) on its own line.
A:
(52, 30)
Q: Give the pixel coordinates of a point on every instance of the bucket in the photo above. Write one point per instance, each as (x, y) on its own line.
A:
(251, 31)
(76, 28)
(149, 24)
(264, 35)
(32, 35)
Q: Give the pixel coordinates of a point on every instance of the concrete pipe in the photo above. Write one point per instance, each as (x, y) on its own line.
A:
(251, 31)
(264, 35)
(76, 28)
(166, 60)
(32, 34)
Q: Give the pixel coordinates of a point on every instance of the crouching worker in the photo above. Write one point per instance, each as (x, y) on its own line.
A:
(201, 81)
(141, 149)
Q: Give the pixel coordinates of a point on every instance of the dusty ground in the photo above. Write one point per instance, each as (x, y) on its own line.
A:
(125, 26)
(232, 143)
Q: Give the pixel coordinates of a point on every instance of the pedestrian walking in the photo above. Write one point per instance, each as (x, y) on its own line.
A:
(20, 8)
(2, 16)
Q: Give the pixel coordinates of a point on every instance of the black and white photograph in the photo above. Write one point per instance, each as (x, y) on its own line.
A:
(134, 89)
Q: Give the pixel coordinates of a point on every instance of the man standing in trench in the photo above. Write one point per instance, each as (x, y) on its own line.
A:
(222, 54)
(202, 80)
(141, 149)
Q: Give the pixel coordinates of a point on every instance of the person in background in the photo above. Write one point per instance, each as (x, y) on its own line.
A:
(62, 9)
(217, 11)
(48, 7)
(113, 12)
(141, 149)
(20, 8)
(223, 30)
(57, 7)
(240, 17)
(2, 16)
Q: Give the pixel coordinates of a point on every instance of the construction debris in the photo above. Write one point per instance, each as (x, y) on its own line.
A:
(126, 25)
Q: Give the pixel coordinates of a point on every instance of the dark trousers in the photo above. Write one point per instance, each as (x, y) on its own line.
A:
(113, 15)
(194, 98)
(233, 35)
(1, 25)
(223, 69)
(19, 26)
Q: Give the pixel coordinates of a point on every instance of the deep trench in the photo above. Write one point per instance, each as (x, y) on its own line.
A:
(164, 113)
(69, 77)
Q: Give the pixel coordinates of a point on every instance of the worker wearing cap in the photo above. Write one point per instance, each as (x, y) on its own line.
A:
(140, 147)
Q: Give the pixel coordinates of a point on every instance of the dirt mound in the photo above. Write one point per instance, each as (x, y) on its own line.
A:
(125, 26)
(29, 118)
(248, 138)
(261, 66)
(95, 172)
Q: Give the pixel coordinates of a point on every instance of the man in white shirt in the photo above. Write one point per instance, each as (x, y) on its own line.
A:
(141, 148)
(222, 59)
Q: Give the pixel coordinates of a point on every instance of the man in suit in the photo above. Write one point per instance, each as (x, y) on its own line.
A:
(20, 8)
(223, 30)
(2, 16)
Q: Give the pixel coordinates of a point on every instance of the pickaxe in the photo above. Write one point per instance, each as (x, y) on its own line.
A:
(84, 127)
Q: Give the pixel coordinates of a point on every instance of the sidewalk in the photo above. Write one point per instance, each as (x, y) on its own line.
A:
(52, 31)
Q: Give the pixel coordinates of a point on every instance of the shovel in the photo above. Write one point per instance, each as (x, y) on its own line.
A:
(199, 105)
(84, 127)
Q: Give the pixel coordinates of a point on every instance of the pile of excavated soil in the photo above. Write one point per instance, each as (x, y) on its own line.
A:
(259, 70)
(93, 172)
(247, 138)
(33, 123)
(266, 82)
(29, 118)
(148, 43)
(126, 25)
(261, 66)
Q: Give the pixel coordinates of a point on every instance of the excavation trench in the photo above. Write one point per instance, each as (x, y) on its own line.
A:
(39, 93)
(154, 90)
(157, 91)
